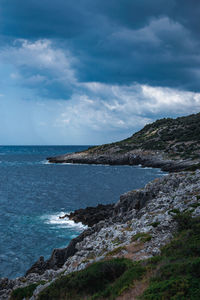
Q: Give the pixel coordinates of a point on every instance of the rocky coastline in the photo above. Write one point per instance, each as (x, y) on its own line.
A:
(172, 145)
(136, 227)
(91, 215)
(154, 159)
(143, 220)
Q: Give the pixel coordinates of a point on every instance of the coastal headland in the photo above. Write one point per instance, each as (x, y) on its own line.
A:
(170, 144)
(145, 245)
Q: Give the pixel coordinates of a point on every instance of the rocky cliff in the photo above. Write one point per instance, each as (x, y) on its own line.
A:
(169, 144)
(136, 228)
(123, 245)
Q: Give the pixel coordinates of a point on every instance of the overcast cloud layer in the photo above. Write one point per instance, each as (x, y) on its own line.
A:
(91, 71)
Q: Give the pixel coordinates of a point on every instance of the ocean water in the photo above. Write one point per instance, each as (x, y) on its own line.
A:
(33, 194)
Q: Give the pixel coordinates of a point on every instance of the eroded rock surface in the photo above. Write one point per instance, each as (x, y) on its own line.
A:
(153, 159)
(140, 224)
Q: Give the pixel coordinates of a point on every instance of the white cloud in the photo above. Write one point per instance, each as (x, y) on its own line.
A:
(171, 100)
(94, 113)
(123, 108)
(40, 56)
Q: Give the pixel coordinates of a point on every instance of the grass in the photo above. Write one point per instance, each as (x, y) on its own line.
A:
(24, 292)
(142, 237)
(176, 272)
(106, 279)
(178, 266)
(178, 138)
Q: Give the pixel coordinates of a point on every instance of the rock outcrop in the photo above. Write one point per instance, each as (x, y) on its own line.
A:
(143, 158)
(140, 224)
(170, 144)
(91, 215)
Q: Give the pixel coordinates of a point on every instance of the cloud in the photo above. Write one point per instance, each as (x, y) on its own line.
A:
(40, 65)
(102, 113)
(149, 42)
(95, 71)
(128, 109)
(92, 112)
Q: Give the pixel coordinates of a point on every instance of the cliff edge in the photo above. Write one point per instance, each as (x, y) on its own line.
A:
(169, 144)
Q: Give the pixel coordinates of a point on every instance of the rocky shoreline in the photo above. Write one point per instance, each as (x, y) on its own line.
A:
(91, 215)
(136, 227)
(154, 159)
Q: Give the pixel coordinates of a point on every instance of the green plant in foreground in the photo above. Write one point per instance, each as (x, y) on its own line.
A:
(106, 279)
(24, 292)
(178, 266)
(176, 272)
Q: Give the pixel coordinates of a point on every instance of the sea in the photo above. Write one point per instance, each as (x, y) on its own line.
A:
(34, 193)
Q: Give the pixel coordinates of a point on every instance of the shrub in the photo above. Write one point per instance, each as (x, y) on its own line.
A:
(178, 267)
(102, 279)
(24, 292)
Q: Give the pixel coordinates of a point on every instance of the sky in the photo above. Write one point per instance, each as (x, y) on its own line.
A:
(89, 72)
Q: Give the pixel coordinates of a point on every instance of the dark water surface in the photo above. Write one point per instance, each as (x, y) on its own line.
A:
(33, 194)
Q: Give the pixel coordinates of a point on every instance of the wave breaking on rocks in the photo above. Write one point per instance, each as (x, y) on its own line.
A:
(136, 227)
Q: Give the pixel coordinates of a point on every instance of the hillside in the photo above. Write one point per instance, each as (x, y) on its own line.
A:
(145, 246)
(170, 144)
(176, 137)
(148, 248)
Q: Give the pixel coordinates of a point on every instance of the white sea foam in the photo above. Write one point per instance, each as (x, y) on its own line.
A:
(64, 223)
(45, 162)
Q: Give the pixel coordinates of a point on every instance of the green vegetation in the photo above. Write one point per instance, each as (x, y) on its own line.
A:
(116, 251)
(178, 267)
(116, 241)
(178, 138)
(25, 292)
(176, 272)
(195, 205)
(175, 211)
(106, 279)
(154, 224)
(142, 237)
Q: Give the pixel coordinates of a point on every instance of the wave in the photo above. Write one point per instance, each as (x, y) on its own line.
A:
(147, 168)
(45, 162)
(54, 219)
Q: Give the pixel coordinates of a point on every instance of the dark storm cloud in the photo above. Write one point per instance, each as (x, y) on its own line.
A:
(152, 42)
